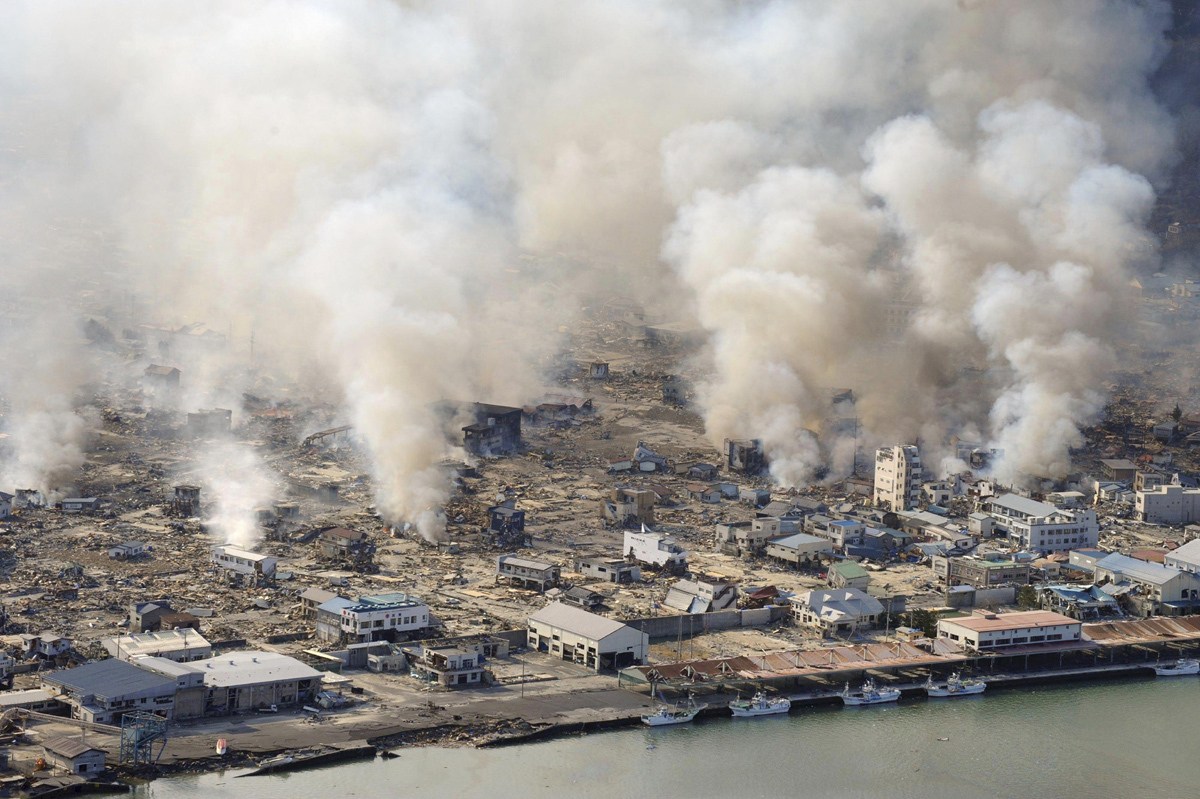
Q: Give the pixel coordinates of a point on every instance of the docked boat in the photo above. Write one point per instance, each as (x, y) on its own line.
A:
(760, 705)
(869, 694)
(673, 714)
(955, 686)
(1178, 668)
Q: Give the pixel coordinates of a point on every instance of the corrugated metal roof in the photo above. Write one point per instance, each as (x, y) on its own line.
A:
(1140, 570)
(577, 621)
(108, 678)
(1025, 505)
(68, 747)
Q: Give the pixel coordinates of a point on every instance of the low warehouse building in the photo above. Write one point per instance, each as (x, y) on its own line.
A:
(181, 645)
(239, 681)
(576, 635)
(104, 690)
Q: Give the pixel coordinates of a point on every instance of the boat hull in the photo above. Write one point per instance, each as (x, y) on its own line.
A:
(946, 691)
(666, 721)
(752, 712)
(1181, 669)
(880, 699)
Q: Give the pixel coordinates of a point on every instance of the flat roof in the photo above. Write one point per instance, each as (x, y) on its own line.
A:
(517, 560)
(153, 643)
(798, 539)
(18, 698)
(251, 668)
(1144, 571)
(238, 552)
(1009, 621)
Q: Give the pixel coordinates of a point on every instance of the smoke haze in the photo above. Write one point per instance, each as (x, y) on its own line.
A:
(892, 197)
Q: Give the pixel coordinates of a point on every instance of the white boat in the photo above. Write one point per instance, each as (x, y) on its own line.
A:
(673, 714)
(760, 705)
(954, 686)
(869, 694)
(222, 746)
(1179, 667)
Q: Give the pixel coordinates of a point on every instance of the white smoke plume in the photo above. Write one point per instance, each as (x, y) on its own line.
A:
(359, 185)
(237, 484)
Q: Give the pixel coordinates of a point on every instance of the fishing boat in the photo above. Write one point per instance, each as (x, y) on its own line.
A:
(222, 746)
(760, 705)
(869, 694)
(954, 686)
(673, 714)
(1178, 668)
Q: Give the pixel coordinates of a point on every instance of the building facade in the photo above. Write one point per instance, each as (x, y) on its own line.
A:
(898, 477)
(1040, 526)
(991, 631)
(596, 642)
(1169, 503)
(655, 549)
(383, 617)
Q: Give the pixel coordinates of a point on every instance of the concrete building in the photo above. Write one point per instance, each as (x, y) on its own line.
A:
(34, 699)
(799, 548)
(1169, 503)
(1118, 470)
(1186, 558)
(449, 667)
(629, 507)
(1155, 589)
(6, 504)
(383, 617)
(979, 572)
(848, 574)
(527, 573)
(313, 598)
(180, 646)
(614, 571)
(746, 457)
(243, 681)
(838, 611)
(74, 756)
(581, 637)
(898, 477)
(989, 632)
(245, 562)
(747, 538)
(147, 616)
(104, 690)
(495, 431)
(1035, 525)
(702, 595)
(655, 549)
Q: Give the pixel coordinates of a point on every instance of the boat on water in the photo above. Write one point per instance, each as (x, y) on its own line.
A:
(869, 694)
(955, 686)
(222, 746)
(278, 761)
(1178, 668)
(673, 714)
(760, 705)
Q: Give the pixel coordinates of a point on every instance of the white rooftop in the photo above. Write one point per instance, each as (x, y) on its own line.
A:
(251, 668)
(1189, 553)
(154, 643)
(1025, 505)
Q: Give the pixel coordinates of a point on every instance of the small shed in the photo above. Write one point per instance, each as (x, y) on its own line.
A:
(74, 755)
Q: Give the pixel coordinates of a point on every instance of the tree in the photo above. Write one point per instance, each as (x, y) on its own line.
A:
(1177, 414)
(1027, 597)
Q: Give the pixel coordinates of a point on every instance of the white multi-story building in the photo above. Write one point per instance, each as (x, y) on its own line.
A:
(898, 477)
(1168, 504)
(1035, 525)
(383, 617)
(655, 549)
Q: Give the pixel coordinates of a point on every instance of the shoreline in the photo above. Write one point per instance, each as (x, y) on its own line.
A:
(496, 732)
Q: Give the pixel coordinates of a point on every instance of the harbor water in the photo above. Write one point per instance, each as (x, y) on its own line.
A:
(1113, 739)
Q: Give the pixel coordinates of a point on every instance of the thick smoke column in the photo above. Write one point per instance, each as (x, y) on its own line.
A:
(359, 184)
(239, 485)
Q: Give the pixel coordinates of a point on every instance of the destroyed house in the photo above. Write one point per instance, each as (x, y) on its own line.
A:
(209, 423)
(655, 549)
(147, 616)
(449, 667)
(506, 519)
(745, 456)
(342, 543)
(160, 382)
(630, 507)
(614, 571)
(6, 505)
(495, 431)
(582, 597)
(243, 561)
(81, 505)
(703, 595)
(382, 617)
(527, 573)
